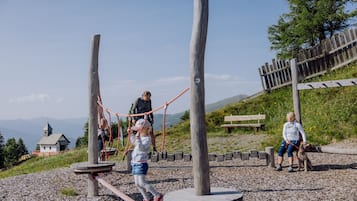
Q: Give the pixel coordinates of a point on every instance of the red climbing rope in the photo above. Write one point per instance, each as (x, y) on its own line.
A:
(163, 106)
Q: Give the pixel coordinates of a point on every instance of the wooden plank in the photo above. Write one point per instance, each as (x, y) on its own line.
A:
(257, 125)
(244, 117)
(328, 84)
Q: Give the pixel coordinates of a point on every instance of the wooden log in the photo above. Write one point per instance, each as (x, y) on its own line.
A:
(93, 114)
(270, 159)
(228, 156)
(245, 156)
(262, 155)
(128, 160)
(200, 166)
(170, 157)
(154, 157)
(212, 156)
(295, 91)
(220, 157)
(253, 153)
(187, 157)
(178, 155)
(237, 154)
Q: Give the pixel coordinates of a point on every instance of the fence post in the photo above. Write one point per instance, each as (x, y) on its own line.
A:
(295, 91)
(270, 159)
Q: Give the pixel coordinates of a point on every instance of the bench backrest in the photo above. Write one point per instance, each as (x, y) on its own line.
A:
(244, 117)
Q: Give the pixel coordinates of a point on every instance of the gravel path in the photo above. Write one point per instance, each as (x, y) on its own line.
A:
(334, 178)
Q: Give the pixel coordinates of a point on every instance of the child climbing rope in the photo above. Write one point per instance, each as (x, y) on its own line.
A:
(142, 142)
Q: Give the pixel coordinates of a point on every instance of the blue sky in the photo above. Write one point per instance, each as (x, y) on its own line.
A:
(45, 52)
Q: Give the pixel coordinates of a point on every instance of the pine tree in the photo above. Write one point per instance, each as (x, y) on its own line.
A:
(308, 22)
(2, 154)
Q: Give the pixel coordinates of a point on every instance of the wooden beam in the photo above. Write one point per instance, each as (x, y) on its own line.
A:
(93, 115)
(328, 84)
(295, 91)
(200, 165)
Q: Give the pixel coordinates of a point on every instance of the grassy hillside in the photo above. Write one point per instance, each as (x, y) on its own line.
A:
(327, 114)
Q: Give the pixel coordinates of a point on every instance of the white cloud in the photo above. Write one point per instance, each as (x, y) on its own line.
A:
(32, 98)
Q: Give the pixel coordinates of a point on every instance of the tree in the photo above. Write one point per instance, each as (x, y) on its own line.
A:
(83, 141)
(185, 116)
(307, 24)
(21, 148)
(2, 154)
(11, 155)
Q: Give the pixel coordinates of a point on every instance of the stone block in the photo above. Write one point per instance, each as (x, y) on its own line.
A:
(178, 156)
(212, 157)
(220, 158)
(187, 157)
(253, 153)
(245, 156)
(263, 155)
(228, 156)
(170, 157)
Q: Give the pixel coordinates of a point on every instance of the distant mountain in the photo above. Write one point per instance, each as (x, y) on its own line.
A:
(31, 130)
(172, 119)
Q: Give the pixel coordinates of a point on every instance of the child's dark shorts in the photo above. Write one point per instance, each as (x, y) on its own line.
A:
(140, 168)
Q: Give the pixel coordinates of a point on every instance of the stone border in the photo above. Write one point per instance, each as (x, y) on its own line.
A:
(267, 155)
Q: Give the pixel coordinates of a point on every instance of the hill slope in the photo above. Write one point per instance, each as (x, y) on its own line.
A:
(328, 115)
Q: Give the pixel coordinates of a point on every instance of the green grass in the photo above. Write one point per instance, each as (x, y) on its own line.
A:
(69, 192)
(38, 164)
(328, 115)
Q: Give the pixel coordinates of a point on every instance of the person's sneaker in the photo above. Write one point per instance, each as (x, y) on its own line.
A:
(159, 197)
(279, 168)
(290, 169)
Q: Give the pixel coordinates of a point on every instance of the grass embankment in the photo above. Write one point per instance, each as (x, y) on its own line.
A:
(327, 114)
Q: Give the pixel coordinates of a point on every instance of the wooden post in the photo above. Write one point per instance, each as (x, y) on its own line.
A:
(93, 115)
(270, 160)
(197, 99)
(295, 91)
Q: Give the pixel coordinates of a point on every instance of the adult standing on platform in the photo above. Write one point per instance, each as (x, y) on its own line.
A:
(141, 106)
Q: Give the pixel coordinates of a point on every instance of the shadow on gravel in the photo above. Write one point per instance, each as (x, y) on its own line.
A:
(281, 190)
(327, 167)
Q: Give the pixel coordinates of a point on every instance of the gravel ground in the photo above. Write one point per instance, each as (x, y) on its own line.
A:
(334, 178)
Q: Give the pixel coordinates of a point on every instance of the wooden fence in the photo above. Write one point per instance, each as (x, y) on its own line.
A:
(332, 53)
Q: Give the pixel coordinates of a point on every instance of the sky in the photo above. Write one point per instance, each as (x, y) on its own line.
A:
(45, 49)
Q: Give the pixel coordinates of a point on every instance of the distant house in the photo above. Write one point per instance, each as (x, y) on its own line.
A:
(52, 143)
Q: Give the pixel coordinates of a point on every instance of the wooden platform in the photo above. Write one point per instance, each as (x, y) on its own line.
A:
(87, 168)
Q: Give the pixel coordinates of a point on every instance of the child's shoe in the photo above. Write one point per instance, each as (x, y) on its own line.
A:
(159, 197)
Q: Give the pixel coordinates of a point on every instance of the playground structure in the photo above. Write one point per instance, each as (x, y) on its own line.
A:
(197, 115)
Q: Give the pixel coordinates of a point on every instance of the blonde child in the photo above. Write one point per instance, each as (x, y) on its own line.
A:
(139, 162)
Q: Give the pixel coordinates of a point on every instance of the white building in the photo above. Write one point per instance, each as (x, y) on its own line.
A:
(52, 143)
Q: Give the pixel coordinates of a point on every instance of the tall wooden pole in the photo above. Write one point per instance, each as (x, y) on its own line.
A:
(93, 115)
(295, 91)
(197, 99)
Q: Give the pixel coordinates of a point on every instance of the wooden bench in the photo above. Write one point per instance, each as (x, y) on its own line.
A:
(252, 121)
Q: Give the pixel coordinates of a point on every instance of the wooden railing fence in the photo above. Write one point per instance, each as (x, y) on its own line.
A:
(332, 53)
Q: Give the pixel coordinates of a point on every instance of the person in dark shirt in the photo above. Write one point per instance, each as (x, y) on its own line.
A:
(140, 106)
